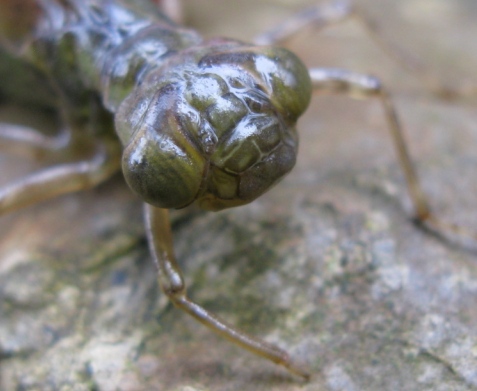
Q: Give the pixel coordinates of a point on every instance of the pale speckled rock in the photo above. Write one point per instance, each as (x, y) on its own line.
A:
(328, 265)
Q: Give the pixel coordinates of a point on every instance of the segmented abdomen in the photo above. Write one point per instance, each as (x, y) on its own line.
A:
(87, 47)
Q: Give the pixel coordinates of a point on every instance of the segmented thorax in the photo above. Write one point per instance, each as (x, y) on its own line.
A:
(215, 124)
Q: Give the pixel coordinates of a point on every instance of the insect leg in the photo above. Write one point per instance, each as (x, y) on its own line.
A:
(61, 179)
(319, 16)
(363, 86)
(25, 140)
(172, 8)
(338, 11)
(172, 283)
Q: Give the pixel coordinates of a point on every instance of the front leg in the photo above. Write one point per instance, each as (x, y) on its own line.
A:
(360, 86)
(172, 283)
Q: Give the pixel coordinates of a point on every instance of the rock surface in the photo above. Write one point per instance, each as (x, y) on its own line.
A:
(327, 265)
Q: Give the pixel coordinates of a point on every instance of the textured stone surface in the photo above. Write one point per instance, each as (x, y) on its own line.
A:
(328, 265)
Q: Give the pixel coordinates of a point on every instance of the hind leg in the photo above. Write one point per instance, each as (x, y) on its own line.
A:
(172, 8)
(339, 11)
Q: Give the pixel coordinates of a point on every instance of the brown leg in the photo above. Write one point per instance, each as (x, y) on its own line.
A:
(173, 9)
(172, 283)
(338, 11)
(61, 179)
(21, 139)
(31, 137)
(364, 86)
(320, 16)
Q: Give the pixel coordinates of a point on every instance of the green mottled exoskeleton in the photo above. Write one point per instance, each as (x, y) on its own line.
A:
(187, 119)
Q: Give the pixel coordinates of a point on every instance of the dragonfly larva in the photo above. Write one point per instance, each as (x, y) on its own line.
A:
(210, 122)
